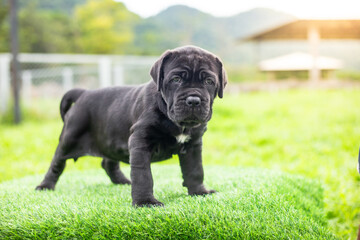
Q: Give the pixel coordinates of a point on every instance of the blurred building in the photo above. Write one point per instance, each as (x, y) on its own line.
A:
(297, 65)
(312, 31)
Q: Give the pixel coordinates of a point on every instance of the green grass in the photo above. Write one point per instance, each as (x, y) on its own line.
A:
(245, 74)
(351, 75)
(250, 204)
(311, 133)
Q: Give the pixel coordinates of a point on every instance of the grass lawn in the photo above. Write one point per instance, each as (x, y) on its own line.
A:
(250, 204)
(315, 134)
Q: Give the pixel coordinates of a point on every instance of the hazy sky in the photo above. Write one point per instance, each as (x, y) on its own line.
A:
(299, 8)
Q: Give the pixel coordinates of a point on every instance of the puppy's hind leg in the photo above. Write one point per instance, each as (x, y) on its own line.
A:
(72, 139)
(52, 176)
(67, 148)
(112, 169)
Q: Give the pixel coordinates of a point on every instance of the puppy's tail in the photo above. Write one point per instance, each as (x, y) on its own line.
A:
(68, 99)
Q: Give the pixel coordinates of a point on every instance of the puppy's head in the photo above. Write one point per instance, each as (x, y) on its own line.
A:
(189, 78)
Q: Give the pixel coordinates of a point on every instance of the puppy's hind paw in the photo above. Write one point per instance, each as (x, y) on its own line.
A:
(202, 193)
(121, 180)
(200, 190)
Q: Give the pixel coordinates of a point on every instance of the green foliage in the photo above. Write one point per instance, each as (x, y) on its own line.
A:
(104, 26)
(250, 204)
(4, 27)
(312, 133)
(63, 6)
(94, 27)
(44, 31)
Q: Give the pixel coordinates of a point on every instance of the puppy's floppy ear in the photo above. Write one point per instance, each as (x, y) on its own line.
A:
(157, 72)
(222, 77)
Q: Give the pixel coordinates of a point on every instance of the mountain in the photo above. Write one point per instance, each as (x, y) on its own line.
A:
(178, 25)
(254, 21)
(240, 25)
(181, 25)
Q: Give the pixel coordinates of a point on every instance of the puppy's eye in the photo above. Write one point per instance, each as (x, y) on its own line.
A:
(176, 79)
(209, 81)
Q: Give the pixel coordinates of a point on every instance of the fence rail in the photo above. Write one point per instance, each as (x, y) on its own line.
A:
(51, 75)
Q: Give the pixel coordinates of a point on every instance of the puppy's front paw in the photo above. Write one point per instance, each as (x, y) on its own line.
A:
(147, 203)
(200, 190)
(43, 187)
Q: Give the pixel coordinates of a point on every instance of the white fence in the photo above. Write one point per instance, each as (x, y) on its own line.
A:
(51, 75)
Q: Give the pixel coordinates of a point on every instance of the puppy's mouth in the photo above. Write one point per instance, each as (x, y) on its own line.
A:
(190, 123)
(191, 119)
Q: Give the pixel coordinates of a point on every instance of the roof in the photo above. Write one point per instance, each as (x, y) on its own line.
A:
(299, 61)
(298, 30)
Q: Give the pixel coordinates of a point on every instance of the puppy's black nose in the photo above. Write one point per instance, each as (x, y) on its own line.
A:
(193, 101)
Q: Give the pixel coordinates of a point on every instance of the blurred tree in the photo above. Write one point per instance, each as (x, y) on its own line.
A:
(44, 31)
(63, 6)
(105, 26)
(152, 39)
(4, 26)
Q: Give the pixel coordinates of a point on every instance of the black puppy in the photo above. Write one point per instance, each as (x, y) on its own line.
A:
(144, 124)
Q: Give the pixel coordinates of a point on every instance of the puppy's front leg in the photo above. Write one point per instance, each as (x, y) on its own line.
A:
(192, 169)
(141, 178)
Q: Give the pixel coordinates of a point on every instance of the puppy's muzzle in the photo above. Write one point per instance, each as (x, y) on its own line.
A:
(191, 110)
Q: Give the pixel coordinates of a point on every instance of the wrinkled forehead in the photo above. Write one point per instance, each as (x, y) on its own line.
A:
(191, 62)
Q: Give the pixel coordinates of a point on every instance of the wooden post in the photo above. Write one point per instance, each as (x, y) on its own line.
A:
(14, 62)
(119, 75)
(314, 39)
(257, 52)
(68, 79)
(105, 71)
(26, 86)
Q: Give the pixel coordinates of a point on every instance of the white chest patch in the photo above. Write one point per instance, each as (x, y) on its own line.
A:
(182, 138)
